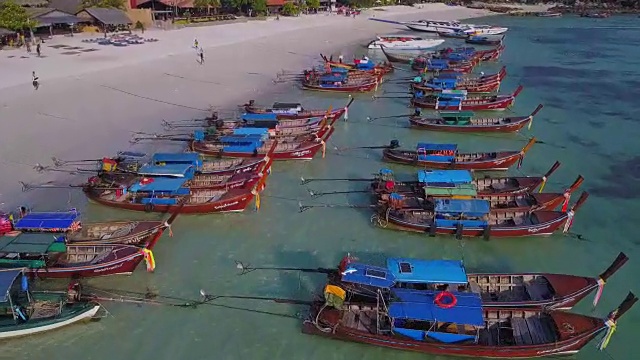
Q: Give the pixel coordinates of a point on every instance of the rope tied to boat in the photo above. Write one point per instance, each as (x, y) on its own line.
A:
(569, 222)
(601, 283)
(611, 328)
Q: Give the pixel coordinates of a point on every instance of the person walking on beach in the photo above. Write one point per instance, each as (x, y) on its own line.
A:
(36, 80)
(195, 43)
(201, 56)
(38, 49)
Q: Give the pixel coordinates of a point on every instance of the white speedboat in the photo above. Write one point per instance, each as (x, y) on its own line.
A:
(453, 27)
(403, 42)
(430, 25)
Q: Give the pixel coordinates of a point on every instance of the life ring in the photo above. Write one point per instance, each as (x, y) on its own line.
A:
(445, 294)
(148, 207)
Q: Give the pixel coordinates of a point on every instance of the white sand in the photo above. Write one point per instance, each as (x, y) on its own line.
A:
(82, 111)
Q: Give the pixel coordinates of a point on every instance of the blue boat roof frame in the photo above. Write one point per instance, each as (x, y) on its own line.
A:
(259, 117)
(436, 147)
(365, 274)
(420, 305)
(160, 184)
(419, 271)
(469, 207)
(61, 220)
(7, 279)
(445, 176)
(168, 170)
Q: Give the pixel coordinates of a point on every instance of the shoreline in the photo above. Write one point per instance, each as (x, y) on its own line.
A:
(92, 103)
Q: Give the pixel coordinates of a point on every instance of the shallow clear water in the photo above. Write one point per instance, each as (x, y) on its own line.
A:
(585, 71)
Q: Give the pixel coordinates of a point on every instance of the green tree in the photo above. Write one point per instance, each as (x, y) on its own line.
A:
(14, 17)
(289, 9)
(313, 4)
(259, 6)
(208, 4)
(115, 4)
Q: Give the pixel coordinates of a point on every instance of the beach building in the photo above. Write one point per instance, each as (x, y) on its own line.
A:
(106, 19)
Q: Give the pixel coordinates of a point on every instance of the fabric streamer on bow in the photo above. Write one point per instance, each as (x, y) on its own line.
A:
(601, 283)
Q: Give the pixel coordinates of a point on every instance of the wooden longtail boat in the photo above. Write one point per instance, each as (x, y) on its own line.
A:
(341, 81)
(170, 167)
(441, 66)
(294, 110)
(303, 148)
(446, 156)
(452, 323)
(385, 181)
(170, 195)
(473, 78)
(484, 40)
(472, 218)
(47, 256)
(363, 64)
(423, 198)
(529, 290)
(440, 84)
(459, 101)
(492, 54)
(40, 311)
(402, 57)
(465, 121)
(141, 233)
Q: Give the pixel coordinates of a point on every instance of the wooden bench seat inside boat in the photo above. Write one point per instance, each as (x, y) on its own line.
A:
(532, 330)
(538, 289)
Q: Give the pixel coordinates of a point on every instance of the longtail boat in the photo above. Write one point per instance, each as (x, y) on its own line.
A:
(459, 100)
(341, 80)
(363, 64)
(171, 194)
(466, 121)
(67, 224)
(446, 156)
(301, 148)
(385, 181)
(441, 65)
(27, 311)
(492, 54)
(484, 40)
(402, 57)
(180, 166)
(440, 84)
(294, 110)
(528, 290)
(471, 218)
(48, 256)
(456, 324)
(500, 75)
(423, 198)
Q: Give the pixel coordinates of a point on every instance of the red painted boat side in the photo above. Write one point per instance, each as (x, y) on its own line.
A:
(123, 259)
(584, 328)
(477, 103)
(515, 124)
(302, 115)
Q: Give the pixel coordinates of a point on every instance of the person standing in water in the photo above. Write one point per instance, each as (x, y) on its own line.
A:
(35, 81)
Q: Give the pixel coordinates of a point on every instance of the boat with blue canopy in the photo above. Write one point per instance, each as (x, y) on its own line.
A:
(70, 230)
(351, 81)
(456, 324)
(27, 312)
(293, 111)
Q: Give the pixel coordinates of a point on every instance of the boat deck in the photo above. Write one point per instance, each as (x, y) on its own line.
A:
(511, 288)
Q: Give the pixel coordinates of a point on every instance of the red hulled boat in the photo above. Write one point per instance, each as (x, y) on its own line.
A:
(385, 181)
(472, 218)
(421, 321)
(446, 156)
(466, 121)
(461, 101)
(293, 110)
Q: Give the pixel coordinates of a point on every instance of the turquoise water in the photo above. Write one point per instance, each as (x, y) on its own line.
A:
(585, 71)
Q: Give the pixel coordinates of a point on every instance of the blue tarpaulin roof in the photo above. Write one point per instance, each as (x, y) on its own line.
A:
(47, 220)
(188, 157)
(364, 274)
(420, 305)
(339, 70)
(160, 184)
(436, 147)
(249, 131)
(7, 278)
(445, 176)
(332, 78)
(473, 207)
(427, 271)
(260, 117)
(174, 170)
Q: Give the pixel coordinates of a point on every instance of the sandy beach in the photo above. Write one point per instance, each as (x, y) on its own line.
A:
(89, 103)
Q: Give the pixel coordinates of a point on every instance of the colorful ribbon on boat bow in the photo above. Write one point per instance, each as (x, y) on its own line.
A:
(611, 328)
(569, 222)
(530, 120)
(601, 283)
(544, 182)
(565, 204)
(149, 259)
(168, 226)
